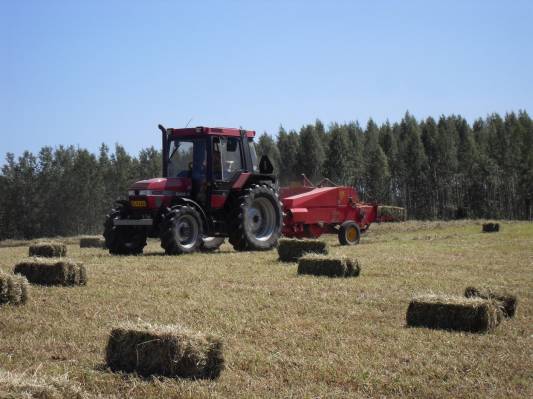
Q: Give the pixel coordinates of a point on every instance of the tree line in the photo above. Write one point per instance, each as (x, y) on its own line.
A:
(67, 190)
(437, 169)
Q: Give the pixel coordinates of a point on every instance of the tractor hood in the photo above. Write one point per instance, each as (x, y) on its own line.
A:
(163, 185)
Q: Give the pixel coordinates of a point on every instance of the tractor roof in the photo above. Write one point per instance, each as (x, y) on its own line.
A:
(210, 131)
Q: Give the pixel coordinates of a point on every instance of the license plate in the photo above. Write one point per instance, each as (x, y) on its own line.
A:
(138, 203)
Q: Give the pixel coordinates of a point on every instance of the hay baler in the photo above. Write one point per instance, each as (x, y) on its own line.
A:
(311, 211)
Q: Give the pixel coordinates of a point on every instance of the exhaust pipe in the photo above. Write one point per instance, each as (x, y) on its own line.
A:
(164, 149)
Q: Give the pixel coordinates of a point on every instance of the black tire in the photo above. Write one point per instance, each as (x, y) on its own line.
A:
(349, 233)
(256, 220)
(210, 244)
(123, 240)
(181, 230)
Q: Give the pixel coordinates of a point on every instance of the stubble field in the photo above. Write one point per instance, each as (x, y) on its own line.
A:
(286, 335)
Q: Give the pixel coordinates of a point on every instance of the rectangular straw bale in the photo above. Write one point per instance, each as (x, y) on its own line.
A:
(491, 227)
(14, 289)
(392, 212)
(48, 249)
(167, 350)
(453, 313)
(290, 250)
(52, 271)
(506, 301)
(320, 265)
(92, 242)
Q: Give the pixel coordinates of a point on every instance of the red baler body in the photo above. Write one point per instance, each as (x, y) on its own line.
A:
(313, 211)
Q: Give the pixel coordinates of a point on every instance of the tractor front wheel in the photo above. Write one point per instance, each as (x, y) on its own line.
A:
(181, 230)
(257, 220)
(349, 233)
(123, 240)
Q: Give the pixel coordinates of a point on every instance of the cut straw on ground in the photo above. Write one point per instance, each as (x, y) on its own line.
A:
(453, 313)
(17, 385)
(52, 271)
(166, 350)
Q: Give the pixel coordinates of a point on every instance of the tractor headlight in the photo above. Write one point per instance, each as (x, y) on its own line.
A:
(145, 192)
(131, 193)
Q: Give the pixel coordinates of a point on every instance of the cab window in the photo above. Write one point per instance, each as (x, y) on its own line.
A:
(226, 157)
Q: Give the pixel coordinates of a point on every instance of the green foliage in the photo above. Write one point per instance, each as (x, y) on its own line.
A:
(377, 175)
(311, 154)
(267, 146)
(67, 190)
(289, 146)
(337, 166)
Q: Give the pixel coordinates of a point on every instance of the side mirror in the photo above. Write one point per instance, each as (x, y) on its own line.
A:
(265, 166)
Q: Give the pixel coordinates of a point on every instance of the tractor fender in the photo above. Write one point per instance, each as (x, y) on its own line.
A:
(187, 201)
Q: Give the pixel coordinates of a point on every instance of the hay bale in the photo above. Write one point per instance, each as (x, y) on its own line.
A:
(491, 227)
(290, 250)
(48, 249)
(167, 350)
(453, 313)
(506, 302)
(16, 385)
(14, 289)
(320, 265)
(92, 242)
(52, 271)
(391, 214)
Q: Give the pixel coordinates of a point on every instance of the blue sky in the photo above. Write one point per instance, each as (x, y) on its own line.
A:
(83, 73)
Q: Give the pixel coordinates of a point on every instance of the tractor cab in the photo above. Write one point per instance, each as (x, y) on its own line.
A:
(209, 157)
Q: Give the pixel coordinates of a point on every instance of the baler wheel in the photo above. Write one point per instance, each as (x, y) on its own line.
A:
(349, 233)
(256, 222)
(123, 240)
(210, 244)
(181, 230)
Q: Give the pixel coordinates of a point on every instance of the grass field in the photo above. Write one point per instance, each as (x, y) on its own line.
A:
(287, 335)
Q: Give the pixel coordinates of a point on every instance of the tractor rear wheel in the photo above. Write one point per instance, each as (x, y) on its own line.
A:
(210, 244)
(257, 219)
(181, 230)
(349, 233)
(123, 240)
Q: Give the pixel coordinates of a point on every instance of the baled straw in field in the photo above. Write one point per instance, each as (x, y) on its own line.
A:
(48, 249)
(506, 301)
(14, 289)
(453, 313)
(52, 271)
(320, 265)
(290, 250)
(15, 385)
(167, 350)
(491, 227)
(392, 213)
(92, 242)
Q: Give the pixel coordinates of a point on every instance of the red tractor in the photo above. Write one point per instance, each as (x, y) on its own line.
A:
(212, 187)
